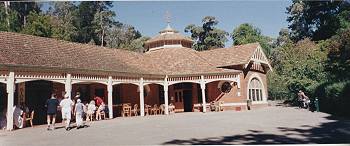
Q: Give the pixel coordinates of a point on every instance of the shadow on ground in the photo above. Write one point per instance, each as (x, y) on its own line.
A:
(336, 132)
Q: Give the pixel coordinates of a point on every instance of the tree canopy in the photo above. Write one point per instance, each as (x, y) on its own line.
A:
(207, 36)
(317, 20)
(247, 33)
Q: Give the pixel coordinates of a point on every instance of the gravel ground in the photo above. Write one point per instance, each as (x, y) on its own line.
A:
(270, 125)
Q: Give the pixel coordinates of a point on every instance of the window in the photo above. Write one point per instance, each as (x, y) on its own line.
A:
(255, 90)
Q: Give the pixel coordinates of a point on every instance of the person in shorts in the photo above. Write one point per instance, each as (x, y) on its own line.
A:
(66, 105)
(51, 105)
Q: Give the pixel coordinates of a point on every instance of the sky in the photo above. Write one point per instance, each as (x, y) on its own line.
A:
(149, 17)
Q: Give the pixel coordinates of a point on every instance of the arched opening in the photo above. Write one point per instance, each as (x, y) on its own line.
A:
(124, 93)
(3, 105)
(33, 95)
(255, 90)
(184, 96)
(89, 90)
(153, 97)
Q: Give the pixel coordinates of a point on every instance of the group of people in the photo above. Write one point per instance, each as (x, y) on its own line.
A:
(20, 112)
(76, 107)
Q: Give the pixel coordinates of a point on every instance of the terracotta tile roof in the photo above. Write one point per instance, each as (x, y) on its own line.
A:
(32, 51)
(169, 36)
(179, 61)
(230, 56)
(27, 50)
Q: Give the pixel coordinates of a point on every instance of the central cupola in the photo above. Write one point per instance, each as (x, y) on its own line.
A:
(168, 38)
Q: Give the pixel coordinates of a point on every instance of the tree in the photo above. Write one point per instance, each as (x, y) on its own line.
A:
(23, 9)
(318, 20)
(283, 37)
(207, 36)
(338, 63)
(38, 24)
(8, 19)
(121, 36)
(137, 45)
(103, 20)
(298, 66)
(247, 33)
(63, 15)
(85, 16)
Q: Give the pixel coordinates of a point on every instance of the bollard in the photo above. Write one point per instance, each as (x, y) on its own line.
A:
(317, 105)
(249, 104)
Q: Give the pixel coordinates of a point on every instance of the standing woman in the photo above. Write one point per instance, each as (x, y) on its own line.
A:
(79, 111)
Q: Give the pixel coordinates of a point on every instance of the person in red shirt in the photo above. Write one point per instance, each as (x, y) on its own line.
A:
(98, 100)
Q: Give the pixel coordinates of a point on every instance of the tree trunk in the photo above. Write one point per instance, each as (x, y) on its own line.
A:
(103, 31)
(102, 38)
(25, 16)
(7, 4)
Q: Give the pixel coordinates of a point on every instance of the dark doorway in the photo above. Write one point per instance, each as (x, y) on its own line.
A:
(84, 93)
(37, 92)
(187, 98)
(100, 92)
(3, 98)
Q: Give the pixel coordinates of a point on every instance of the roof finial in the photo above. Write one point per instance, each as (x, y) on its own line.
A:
(167, 17)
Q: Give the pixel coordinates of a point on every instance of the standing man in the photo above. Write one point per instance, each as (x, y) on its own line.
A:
(66, 105)
(51, 105)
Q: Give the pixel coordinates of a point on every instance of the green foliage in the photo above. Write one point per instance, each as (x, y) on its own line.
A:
(39, 25)
(12, 19)
(338, 63)
(247, 33)
(297, 66)
(207, 36)
(334, 97)
(125, 37)
(318, 20)
(24, 9)
(63, 15)
(103, 20)
(138, 44)
(84, 22)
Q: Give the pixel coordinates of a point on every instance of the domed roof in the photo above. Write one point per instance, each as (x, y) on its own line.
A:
(168, 34)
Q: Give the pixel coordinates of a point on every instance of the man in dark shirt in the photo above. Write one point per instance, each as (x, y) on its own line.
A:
(51, 105)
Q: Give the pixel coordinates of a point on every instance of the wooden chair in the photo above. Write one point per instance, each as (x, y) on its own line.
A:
(30, 119)
(146, 109)
(162, 109)
(136, 110)
(103, 115)
(171, 108)
(126, 110)
(155, 109)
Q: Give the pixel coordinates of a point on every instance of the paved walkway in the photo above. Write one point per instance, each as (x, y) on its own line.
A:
(262, 126)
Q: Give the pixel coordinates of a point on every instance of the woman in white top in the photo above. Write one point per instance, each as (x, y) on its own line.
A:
(90, 110)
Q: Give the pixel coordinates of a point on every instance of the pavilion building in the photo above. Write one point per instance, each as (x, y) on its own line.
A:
(31, 68)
